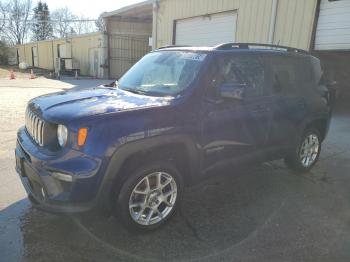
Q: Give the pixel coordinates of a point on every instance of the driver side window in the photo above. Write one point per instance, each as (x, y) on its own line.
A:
(240, 69)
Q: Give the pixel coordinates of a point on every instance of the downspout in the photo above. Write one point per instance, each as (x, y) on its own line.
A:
(273, 19)
(25, 55)
(108, 48)
(37, 53)
(53, 56)
(314, 27)
(155, 24)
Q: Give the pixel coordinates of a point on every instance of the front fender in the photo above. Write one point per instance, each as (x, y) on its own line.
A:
(125, 151)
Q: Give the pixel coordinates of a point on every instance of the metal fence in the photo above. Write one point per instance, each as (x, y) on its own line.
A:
(125, 51)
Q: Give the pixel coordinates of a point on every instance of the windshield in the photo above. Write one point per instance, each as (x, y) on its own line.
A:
(165, 73)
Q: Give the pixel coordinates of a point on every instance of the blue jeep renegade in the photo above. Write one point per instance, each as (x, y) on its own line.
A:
(176, 115)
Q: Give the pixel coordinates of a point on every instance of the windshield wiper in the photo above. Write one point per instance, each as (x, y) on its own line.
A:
(146, 93)
(135, 91)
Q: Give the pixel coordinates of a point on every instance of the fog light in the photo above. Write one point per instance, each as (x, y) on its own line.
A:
(62, 177)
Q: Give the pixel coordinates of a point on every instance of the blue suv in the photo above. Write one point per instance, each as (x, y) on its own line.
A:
(175, 116)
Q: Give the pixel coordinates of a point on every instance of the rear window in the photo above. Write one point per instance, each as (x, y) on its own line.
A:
(289, 72)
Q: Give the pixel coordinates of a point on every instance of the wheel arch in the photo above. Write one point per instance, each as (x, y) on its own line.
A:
(321, 124)
(180, 149)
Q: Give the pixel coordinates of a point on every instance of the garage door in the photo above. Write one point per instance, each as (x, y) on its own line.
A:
(333, 27)
(206, 30)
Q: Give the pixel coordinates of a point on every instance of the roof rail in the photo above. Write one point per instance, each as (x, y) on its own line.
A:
(228, 46)
(169, 46)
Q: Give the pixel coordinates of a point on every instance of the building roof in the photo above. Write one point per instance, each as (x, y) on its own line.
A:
(141, 10)
(63, 38)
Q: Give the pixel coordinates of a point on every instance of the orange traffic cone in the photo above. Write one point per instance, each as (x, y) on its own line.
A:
(32, 76)
(12, 75)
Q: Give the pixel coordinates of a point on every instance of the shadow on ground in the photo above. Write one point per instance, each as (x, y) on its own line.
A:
(260, 214)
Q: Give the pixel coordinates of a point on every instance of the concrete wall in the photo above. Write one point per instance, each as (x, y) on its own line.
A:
(45, 53)
(83, 49)
(80, 49)
(294, 21)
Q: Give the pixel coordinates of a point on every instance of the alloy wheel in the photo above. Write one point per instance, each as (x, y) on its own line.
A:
(153, 198)
(309, 150)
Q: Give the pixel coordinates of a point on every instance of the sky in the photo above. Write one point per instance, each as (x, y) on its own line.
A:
(90, 9)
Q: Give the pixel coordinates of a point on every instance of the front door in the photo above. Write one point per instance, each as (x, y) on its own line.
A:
(235, 130)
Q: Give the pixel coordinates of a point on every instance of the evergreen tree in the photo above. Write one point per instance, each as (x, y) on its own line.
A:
(100, 24)
(42, 27)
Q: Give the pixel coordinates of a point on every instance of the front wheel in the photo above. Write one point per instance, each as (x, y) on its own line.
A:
(306, 153)
(149, 197)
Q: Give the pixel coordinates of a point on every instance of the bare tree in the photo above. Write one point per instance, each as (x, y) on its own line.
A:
(83, 26)
(15, 15)
(63, 22)
(2, 20)
(16, 22)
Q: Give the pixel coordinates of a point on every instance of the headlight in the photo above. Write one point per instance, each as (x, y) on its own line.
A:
(62, 135)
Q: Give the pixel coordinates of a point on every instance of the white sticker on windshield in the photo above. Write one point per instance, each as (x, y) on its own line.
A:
(194, 56)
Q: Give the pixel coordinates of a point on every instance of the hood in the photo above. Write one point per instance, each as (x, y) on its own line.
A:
(76, 103)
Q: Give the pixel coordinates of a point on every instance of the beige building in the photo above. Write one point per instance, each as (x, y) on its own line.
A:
(316, 25)
(158, 23)
(208, 22)
(86, 53)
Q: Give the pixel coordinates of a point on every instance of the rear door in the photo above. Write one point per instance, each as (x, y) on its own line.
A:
(290, 82)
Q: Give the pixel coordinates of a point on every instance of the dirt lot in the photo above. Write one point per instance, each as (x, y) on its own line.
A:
(38, 73)
(266, 213)
(5, 73)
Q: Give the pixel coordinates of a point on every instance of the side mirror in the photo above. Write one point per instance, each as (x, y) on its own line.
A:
(233, 91)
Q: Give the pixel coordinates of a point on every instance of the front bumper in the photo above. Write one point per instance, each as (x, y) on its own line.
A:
(50, 193)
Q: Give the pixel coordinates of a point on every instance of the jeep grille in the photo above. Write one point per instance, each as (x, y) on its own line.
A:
(35, 127)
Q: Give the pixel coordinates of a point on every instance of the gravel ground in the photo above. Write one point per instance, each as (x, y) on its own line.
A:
(265, 213)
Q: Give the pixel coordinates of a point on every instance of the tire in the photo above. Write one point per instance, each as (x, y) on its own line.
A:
(297, 160)
(135, 191)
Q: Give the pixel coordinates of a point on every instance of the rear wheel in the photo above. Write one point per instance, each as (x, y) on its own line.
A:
(149, 197)
(306, 153)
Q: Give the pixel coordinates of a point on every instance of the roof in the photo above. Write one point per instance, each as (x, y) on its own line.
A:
(63, 38)
(245, 47)
(139, 10)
